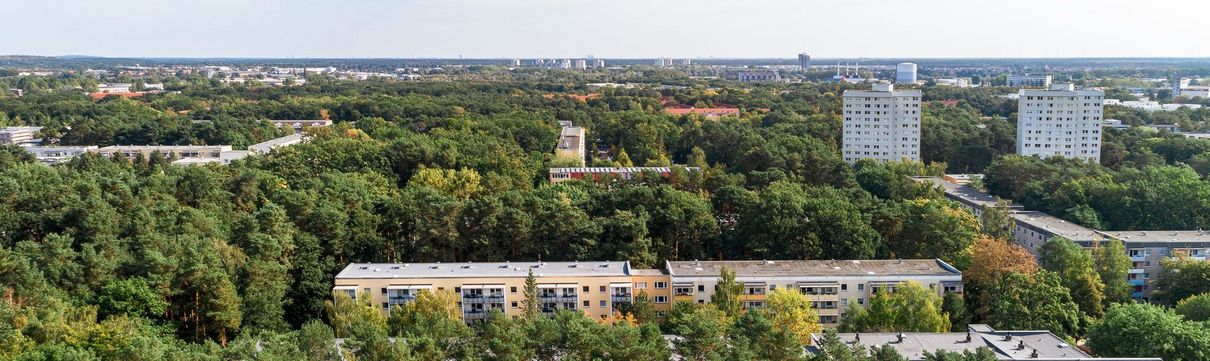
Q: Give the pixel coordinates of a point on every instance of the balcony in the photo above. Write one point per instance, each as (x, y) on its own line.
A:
(477, 298)
(1136, 282)
(1138, 258)
(620, 298)
(1136, 294)
(474, 314)
(1136, 271)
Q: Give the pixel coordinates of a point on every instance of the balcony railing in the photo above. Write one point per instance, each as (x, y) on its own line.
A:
(1136, 282)
(620, 299)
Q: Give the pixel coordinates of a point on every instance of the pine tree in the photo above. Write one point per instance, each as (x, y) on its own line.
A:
(529, 304)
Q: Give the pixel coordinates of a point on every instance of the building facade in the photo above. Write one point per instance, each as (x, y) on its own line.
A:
(1028, 81)
(768, 76)
(1060, 122)
(599, 289)
(905, 73)
(18, 135)
(830, 284)
(597, 174)
(882, 124)
(1006, 345)
(804, 61)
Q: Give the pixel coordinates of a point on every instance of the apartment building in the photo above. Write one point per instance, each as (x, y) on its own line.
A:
(571, 142)
(767, 76)
(18, 135)
(595, 288)
(1028, 81)
(831, 284)
(1033, 229)
(599, 288)
(269, 145)
(881, 123)
(1006, 345)
(1147, 249)
(1060, 122)
(956, 189)
(298, 125)
(172, 151)
(56, 155)
(596, 174)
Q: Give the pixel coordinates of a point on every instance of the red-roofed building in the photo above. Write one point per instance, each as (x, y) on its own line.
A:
(706, 112)
(99, 96)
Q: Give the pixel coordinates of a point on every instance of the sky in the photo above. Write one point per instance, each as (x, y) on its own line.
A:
(607, 28)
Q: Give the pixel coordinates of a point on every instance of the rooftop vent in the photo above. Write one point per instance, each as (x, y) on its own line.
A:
(466, 267)
(434, 267)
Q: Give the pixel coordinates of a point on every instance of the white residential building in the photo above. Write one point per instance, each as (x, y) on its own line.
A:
(881, 123)
(19, 135)
(1028, 81)
(1061, 122)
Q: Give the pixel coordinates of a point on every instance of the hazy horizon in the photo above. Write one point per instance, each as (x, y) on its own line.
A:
(619, 29)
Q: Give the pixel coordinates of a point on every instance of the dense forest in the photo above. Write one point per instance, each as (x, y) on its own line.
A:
(112, 258)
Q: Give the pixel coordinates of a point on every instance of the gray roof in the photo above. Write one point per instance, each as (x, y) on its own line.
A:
(962, 193)
(483, 269)
(1160, 236)
(1057, 226)
(813, 268)
(1007, 345)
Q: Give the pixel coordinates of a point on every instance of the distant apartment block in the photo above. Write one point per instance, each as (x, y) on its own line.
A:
(1028, 81)
(298, 125)
(571, 142)
(1033, 229)
(269, 145)
(881, 123)
(18, 135)
(767, 76)
(705, 112)
(1060, 122)
(597, 174)
(598, 289)
(166, 151)
(56, 155)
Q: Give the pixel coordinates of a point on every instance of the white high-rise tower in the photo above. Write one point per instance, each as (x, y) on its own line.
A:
(881, 123)
(1060, 121)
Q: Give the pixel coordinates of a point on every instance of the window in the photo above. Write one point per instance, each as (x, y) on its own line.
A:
(640, 285)
(386, 306)
(604, 304)
(602, 290)
(586, 304)
(860, 286)
(514, 304)
(457, 289)
(585, 289)
(512, 289)
(661, 299)
(701, 288)
(661, 285)
(384, 290)
(367, 290)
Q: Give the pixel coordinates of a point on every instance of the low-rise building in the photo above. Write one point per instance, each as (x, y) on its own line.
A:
(831, 284)
(18, 135)
(1006, 345)
(956, 189)
(605, 173)
(269, 145)
(595, 288)
(298, 124)
(599, 288)
(571, 142)
(56, 155)
(705, 112)
(768, 76)
(1147, 249)
(167, 151)
(1033, 229)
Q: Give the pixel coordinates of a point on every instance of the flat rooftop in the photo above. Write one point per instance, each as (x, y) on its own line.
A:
(1057, 226)
(484, 269)
(1007, 345)
(1160, 236)
(617, 169)
(813, 268)
(961, 191)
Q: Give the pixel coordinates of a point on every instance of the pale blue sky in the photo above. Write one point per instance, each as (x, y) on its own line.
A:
(608, 29)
